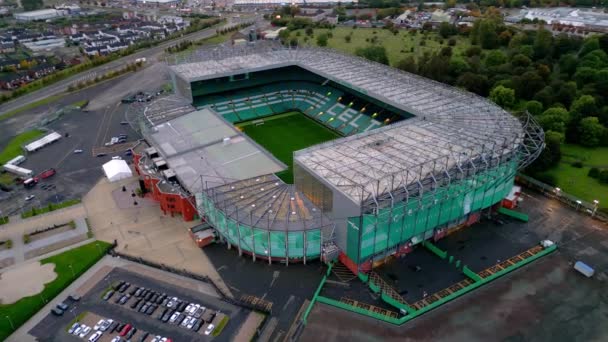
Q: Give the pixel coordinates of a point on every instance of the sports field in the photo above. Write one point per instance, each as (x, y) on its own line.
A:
(284, 133)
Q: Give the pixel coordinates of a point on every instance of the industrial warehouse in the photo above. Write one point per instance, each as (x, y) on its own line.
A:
(405, 160)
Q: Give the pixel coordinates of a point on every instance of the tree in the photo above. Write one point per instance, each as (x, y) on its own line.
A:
(446, 29)
(590, 131)
(534, 107)
(475, 83)
(502, 96)
(309, 31)
(551, 155)
(520, 60)
(486, 32)
(374, 53)
(568, 64)
(407, 64)
(591, 44)
(495, 58)
(322, 39)
(347, 38)
(554, 119)
(30, 5)
(543, 43)
(584, 106)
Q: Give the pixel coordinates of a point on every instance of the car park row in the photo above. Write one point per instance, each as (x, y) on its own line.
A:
(163, 307)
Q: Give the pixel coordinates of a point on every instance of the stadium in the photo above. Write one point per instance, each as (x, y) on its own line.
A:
(297, 154)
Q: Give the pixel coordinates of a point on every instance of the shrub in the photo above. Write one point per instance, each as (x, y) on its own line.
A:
(604, 176)
(577, 164)
(452, 42)
(347, 38)
(422, 43)
(72, 224)
(546, 178)
(594, 172)
(26, 238)
(9, 244)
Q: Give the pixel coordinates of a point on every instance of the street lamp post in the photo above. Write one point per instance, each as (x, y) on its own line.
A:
(595, 205)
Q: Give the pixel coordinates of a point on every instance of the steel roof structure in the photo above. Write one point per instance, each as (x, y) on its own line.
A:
(454, 134)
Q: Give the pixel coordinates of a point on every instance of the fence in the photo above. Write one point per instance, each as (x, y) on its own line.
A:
(572, 201)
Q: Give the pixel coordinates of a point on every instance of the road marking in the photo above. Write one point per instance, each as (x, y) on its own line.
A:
(103, 118)
(67, 154)
(105, 136)
(291, 298)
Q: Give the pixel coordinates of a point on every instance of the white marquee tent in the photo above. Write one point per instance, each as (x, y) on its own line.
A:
(116, 170)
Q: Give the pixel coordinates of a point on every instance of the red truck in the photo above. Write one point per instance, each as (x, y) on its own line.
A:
(47, 173)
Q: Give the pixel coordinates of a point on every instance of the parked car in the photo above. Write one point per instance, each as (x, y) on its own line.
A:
(78, 330)
(174, 317)
(78, 151)
(136, 303)
(101, 154)
(29, 198)
(106, 325)
(108, 295)
(85, 331)
(167, 315)
(124, 299)
(116, 339)
(191, 322)
(99, 323)
(144, 307)
(139, 291)
(125, 330)
(133, 290)
(197, 325)
(151, 309)
(209, 329)
(95, 336)
(161, 298)
(119, 285)
(62, 306)
(74, 297)
(112, 327)
(131, 333)
(73, 328)
(185, 321)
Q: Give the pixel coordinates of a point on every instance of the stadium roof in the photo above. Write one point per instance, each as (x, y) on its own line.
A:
(267, 202)
(452, 130)
(202, 146)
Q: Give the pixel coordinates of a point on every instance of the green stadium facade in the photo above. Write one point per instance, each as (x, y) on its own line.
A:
(416, 159)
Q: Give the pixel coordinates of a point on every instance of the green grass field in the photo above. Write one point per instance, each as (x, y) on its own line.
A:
(80, 259)
(397, 46)
(575, 180)
(48, 208)
(285, 133)
(13, 148)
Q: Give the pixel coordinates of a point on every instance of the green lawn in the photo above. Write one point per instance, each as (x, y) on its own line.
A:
(80, 259)
(13, 148)
(575, 180)
(286, 133)
(397, 46)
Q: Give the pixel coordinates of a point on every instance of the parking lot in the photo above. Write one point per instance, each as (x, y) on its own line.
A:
(76, 172)
(143, 306)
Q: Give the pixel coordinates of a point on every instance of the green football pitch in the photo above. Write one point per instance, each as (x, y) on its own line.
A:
(285, 133)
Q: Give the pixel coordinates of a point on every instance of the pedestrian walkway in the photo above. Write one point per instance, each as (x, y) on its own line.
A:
(144, 231)
(17, 227)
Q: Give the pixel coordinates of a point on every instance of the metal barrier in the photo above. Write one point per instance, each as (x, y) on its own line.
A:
(560, 195)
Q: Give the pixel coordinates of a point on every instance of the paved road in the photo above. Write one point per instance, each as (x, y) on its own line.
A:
(150, 54)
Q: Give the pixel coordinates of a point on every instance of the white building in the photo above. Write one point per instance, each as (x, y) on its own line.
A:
(43, 14)
(158, 2)
(45, 44)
